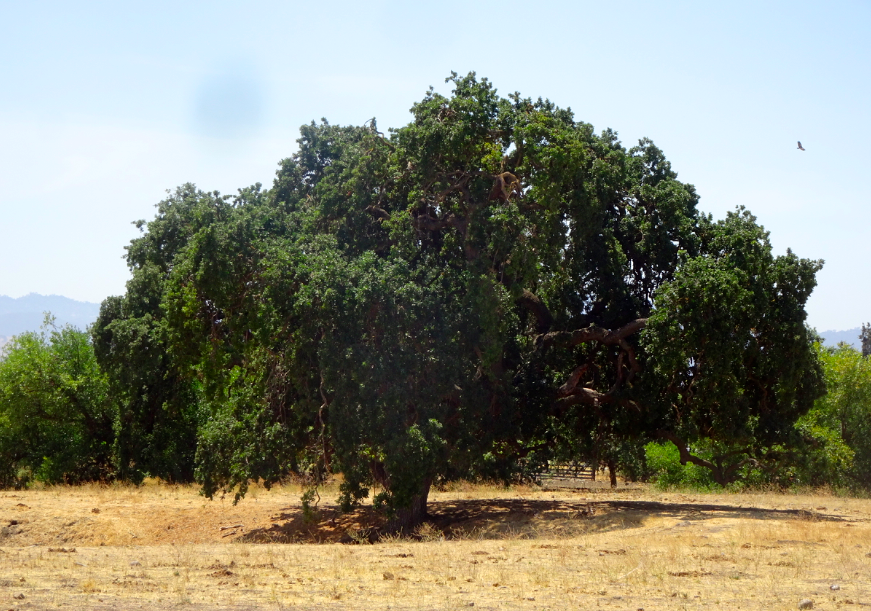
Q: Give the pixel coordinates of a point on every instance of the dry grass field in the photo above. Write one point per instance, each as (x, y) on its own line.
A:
(166, 547)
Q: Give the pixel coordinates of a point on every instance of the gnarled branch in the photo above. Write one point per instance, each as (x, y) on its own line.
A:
(569, 387)
(592, 334)
(586, 396)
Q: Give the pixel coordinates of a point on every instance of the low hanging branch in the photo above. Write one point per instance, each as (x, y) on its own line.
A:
(722, 475)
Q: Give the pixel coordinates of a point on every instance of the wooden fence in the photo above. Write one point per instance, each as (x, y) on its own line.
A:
(570, 470)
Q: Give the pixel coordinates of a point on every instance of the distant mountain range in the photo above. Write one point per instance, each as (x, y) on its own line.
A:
(850, 336)
(26, 313)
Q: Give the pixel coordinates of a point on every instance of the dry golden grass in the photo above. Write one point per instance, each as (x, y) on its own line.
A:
(162, 547)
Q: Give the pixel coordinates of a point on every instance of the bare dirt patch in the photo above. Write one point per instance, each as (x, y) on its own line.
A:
(165, 547)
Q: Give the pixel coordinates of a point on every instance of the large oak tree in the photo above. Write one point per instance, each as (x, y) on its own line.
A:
(466, 295)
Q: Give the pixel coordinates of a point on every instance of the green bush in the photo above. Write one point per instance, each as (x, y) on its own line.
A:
(665, 470)
(835, 448)
(55, 414)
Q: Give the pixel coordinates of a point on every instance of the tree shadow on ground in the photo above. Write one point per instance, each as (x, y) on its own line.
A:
(543, 518)
(509, 518)
(327, 525)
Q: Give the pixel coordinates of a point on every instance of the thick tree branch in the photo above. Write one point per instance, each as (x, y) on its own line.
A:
(634, 367)
(378, 212)
(534, 304)
(586, 396)
(730, 471)
(592, 334)
(570, 393)
(428, 223)
(457, 186)
(569, 387)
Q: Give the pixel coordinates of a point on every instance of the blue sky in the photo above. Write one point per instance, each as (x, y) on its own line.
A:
(105, 105)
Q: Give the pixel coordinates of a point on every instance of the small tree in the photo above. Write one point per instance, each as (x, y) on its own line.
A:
(837, 431)
(55, 415)
(865, 338)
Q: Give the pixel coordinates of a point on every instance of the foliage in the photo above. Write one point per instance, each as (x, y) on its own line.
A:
(728, 355)
(490, 283)
(55, 414)
(837, 430)
(666, 470)
(157, 406)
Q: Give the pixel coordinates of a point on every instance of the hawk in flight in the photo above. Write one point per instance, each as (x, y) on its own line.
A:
(800, 147)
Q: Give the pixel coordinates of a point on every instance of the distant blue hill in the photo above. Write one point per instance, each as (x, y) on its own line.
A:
(850, 336)
(26, 313)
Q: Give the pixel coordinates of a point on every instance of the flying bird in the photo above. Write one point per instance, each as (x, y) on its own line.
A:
(800, 147)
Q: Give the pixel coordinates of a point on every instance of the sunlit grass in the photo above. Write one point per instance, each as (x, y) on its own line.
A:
(161, 546)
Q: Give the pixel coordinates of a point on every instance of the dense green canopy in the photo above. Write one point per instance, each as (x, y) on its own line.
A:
(466, 296)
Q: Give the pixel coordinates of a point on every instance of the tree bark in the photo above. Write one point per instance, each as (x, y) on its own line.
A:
(405, 520)
(612, 473)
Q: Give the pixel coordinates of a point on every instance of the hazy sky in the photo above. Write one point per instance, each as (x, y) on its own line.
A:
(105, 105)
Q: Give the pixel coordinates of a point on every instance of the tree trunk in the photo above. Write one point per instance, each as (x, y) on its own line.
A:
(612, 472)
(406, 519)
